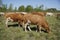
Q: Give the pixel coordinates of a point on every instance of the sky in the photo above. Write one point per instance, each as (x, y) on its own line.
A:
(34, 3)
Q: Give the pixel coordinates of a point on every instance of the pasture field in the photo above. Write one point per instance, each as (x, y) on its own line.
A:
(17, 33)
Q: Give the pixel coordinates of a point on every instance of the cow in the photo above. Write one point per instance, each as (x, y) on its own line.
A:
(27, 19)
(49, 14)
(37, 20)
(1, 13)
(14, 17)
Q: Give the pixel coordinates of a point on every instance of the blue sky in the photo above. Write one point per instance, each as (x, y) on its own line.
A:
(34, 3)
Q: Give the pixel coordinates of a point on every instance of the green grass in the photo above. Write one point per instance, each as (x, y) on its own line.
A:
(17, 33)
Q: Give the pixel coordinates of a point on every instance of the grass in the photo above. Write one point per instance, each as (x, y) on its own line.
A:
(17, 33)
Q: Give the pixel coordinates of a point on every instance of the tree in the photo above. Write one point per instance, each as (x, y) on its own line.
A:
(15, 9)
(10, 7)
(21, 8)
(29, 8)
(0, 5)
(41, 7)
(36, 9)
(51, 9)
(4, 7)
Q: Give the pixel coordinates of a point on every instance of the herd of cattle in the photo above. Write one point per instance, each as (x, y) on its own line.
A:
(26, 19)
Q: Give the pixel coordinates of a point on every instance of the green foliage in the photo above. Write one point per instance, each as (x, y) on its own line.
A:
(36, 9)
(40, 8)
(10, 7)
(29, 8)
(51, 10)
(21, 8)
(15, 9)
(1, 3)
(4, 8)
(0, 9)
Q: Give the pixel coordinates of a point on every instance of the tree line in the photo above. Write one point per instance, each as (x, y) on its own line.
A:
(28, 8)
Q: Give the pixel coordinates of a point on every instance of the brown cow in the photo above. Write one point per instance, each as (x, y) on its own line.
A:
(14, 17)
(37, 20)
(26, 19)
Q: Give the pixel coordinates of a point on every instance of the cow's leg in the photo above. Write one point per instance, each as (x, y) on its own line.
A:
(29, 27)
(38, 28)
(19, 24)
(8, 19)
(24, 26)
(6, 22)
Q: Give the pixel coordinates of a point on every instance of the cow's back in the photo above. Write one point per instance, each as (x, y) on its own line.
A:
(34, 18)
(14, 16)
(39, 13)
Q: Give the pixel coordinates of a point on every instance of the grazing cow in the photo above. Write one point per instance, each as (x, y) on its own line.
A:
(37, 20)
(49, 14)
(1, 13)
(14, 17)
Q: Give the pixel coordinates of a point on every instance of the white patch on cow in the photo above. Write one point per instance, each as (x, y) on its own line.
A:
(29, 21)
(40, 29)
(25, 27)
(7, 20)
(29, 28)
(10, 19)
(26, 24)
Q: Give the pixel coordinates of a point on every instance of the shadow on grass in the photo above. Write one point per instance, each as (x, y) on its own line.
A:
(32, 28)
(14, 25)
